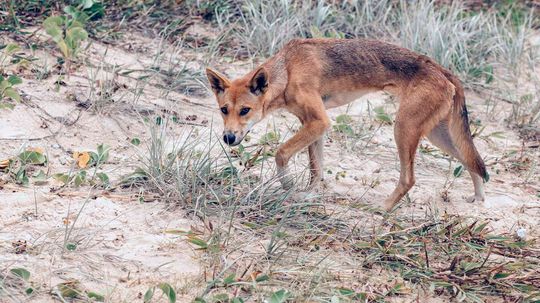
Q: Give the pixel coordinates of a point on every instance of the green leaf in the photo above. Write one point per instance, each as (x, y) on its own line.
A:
(6, 105)
(229, 279)
(168, 291)
(135, 141)
(21, 273)
(381, 115)
(53, 27)
(344, 129)
(458, 171)
(71, 246)
(237, 300)
(468, 266)
(270, 138)
(262, 278)
(14, 80)
(489, 74)
(4, 84)
(79, 178)
(76, 35)
(362, 245)
(499, 135)
(478, 229)
(87, 3)
(103, 177)
(95, 296)
(177, 232)
(64, 178)
(486, 177)
(29, 291)
(344, 119)
(199, 242)
(32, 157)
(220, 298)
(11, 48)
(103, 153)
(70, 10)
(279, 296)
(40, 176)
(149, 294)
(228, 172)
(500, 275)
(13, 94)
(69, 289)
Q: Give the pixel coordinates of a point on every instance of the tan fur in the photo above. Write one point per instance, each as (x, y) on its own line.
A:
(310, 75)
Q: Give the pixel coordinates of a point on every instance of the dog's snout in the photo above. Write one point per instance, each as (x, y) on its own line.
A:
(229, 138)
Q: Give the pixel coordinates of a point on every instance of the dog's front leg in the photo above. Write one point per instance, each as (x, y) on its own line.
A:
(311, 132)
(315, 151)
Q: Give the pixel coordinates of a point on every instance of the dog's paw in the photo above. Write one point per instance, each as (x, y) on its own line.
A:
(388, 206)
(473, 199)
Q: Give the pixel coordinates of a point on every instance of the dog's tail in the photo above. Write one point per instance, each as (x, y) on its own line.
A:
(460, 131)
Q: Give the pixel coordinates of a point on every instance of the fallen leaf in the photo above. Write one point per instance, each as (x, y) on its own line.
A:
(4, 163)
(82, 159)
(35, 149)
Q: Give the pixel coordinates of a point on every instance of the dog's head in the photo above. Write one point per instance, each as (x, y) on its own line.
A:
(240, 102)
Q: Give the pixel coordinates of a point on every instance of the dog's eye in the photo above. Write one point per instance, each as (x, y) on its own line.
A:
(224, 110)
(244, 111)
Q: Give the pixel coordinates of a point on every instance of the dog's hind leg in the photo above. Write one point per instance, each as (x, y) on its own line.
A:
(440, 137)
(423, 104)
(407, 137)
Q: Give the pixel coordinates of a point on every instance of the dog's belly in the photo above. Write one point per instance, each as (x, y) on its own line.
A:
(337, 99)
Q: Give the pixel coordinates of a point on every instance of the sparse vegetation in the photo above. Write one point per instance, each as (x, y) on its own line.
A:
(115, 183)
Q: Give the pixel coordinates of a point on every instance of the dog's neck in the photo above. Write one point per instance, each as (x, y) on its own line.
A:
(274, 97)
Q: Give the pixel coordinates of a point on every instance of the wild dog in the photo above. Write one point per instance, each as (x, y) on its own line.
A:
(308, 76)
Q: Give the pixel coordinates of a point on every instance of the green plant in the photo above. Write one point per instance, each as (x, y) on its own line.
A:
(22, 167)
(105, 93)
(73, 290)
(167, 290)
(68, 32)
(8, 90)
(6, 56)
(8, 83)
(17, 279)
(85, 162)
(343, 125)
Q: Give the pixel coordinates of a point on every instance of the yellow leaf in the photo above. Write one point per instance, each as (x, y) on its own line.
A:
(38, 150)
(82, 158)
(64, 48)
(4, 163)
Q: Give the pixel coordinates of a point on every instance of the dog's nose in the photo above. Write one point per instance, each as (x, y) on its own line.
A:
(229, 138)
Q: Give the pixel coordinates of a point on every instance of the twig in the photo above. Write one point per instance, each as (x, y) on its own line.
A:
(426, 254)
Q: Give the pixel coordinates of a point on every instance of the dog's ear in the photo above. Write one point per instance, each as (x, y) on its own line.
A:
(218, 82)
(259, 82)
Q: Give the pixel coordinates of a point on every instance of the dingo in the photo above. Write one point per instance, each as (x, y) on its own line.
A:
(308, 76)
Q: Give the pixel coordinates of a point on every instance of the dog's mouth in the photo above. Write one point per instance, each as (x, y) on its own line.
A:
(235, 143)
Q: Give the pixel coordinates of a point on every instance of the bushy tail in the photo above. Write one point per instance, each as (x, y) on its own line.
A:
(460, 131)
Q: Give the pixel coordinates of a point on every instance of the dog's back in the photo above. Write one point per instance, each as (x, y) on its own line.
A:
(346, 64)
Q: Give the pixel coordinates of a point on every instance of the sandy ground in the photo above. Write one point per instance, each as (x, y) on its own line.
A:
(123, 248)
